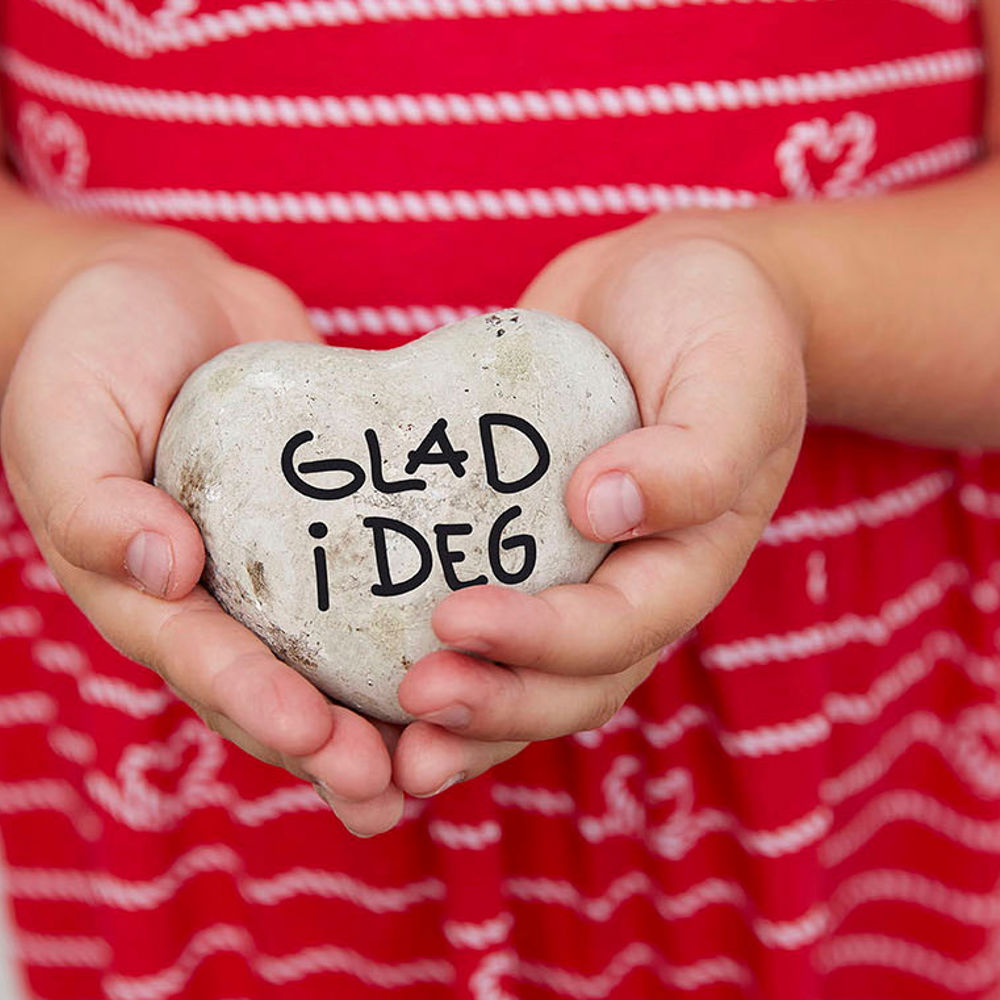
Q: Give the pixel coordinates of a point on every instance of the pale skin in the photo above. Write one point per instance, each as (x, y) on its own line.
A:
(890, 308)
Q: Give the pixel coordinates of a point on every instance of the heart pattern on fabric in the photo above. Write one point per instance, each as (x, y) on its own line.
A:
(975, 748)
(679, 827)
(155, 783)
(663, 813)
(624, 814)
(166, 13)
(179, 771)
(844, 149)
(54, 148)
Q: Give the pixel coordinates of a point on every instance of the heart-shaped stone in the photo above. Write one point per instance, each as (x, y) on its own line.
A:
(342, 493)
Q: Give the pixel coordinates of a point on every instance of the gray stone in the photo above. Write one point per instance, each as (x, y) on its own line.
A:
(243, 449)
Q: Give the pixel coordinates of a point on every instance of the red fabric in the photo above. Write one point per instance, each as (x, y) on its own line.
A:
(804, 799)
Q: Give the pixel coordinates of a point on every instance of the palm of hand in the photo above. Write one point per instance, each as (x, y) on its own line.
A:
(80, 423)
(717, 368)
(716, 362)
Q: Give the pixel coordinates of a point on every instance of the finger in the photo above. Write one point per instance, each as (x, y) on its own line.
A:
(82, 490)
(389, 732)
(485, 701)
(429, 760)
(378, 814)
(266, 308)
(342, 769)
(213, 660)
(355, 764)
(723, 414)
(364, 816)
(120, 527)
(216, 663)
(647, 593)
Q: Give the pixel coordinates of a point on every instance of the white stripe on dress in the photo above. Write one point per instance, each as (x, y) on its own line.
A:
(307, 111)
(135, 35)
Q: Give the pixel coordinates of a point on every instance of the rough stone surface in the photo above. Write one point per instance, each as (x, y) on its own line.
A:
(221, 455)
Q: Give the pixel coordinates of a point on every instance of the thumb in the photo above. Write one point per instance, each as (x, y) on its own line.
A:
(105, 521)
(657, 478)
(722, 417)
(74, 466)
(127, 529)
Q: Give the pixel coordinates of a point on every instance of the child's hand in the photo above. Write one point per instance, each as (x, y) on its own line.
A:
(80, 424)
(715, 358)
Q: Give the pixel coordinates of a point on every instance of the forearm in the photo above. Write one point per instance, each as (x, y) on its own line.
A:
(899, 297)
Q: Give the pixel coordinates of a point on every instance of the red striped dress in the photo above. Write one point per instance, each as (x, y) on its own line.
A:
(804, 799)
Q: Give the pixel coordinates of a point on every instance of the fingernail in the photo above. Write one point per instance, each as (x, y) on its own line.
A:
(148, 560)
(453, 780)
(452, 717)
(614, 505)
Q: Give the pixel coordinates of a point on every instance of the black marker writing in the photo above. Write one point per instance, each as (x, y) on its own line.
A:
(387, 587)
(312, 478)
(294, 476)
(446, 454)
(498, 542)
(382, 485)
(318, 530)
(486, 424)
(449, 556)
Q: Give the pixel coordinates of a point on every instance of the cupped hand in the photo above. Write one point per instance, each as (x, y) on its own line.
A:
(79, 427)
(715, 355)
